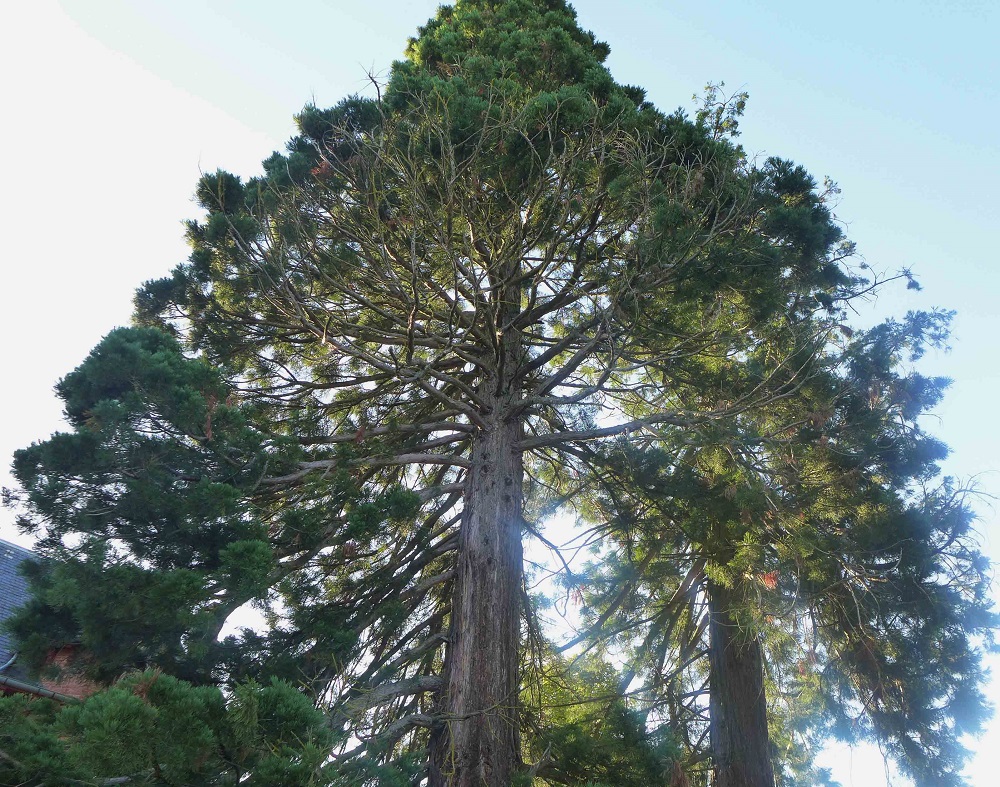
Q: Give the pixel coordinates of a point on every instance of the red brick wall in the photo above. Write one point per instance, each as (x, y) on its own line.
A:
(71, 681)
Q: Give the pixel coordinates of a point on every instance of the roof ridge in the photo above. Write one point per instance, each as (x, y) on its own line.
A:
(5, 543)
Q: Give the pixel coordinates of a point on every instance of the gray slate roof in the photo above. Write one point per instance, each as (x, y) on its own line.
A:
(13, 591)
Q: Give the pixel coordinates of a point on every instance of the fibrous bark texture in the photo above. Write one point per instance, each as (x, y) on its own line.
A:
(738, 706)
(477, 742)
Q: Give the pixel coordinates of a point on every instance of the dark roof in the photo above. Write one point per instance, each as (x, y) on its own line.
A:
(13, 591)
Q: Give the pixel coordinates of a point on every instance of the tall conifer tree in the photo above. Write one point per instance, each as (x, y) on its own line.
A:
(813, 572)
(388, 357)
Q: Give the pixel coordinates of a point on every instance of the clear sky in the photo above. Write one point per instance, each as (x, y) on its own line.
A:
(111, 108)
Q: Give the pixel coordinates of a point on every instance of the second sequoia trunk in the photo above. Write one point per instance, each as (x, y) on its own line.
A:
(741, 747)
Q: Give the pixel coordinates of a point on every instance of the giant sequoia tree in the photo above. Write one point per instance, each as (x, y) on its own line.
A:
(811, 572)
(439, 316)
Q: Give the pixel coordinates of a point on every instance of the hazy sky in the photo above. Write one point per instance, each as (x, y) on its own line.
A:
(111, 109)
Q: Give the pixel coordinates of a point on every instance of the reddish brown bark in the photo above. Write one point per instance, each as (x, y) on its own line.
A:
(741, 746)
(478, 743)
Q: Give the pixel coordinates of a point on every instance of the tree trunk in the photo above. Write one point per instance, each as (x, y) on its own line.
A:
(741, 747)
(477, 743)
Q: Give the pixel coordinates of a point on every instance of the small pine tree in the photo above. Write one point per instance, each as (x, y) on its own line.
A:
(152, 729)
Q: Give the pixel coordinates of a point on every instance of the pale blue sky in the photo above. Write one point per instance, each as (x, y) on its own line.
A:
(112, 107)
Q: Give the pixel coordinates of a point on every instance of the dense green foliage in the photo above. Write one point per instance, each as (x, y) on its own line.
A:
(158, 730)
(825, 528)
(504, 236)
